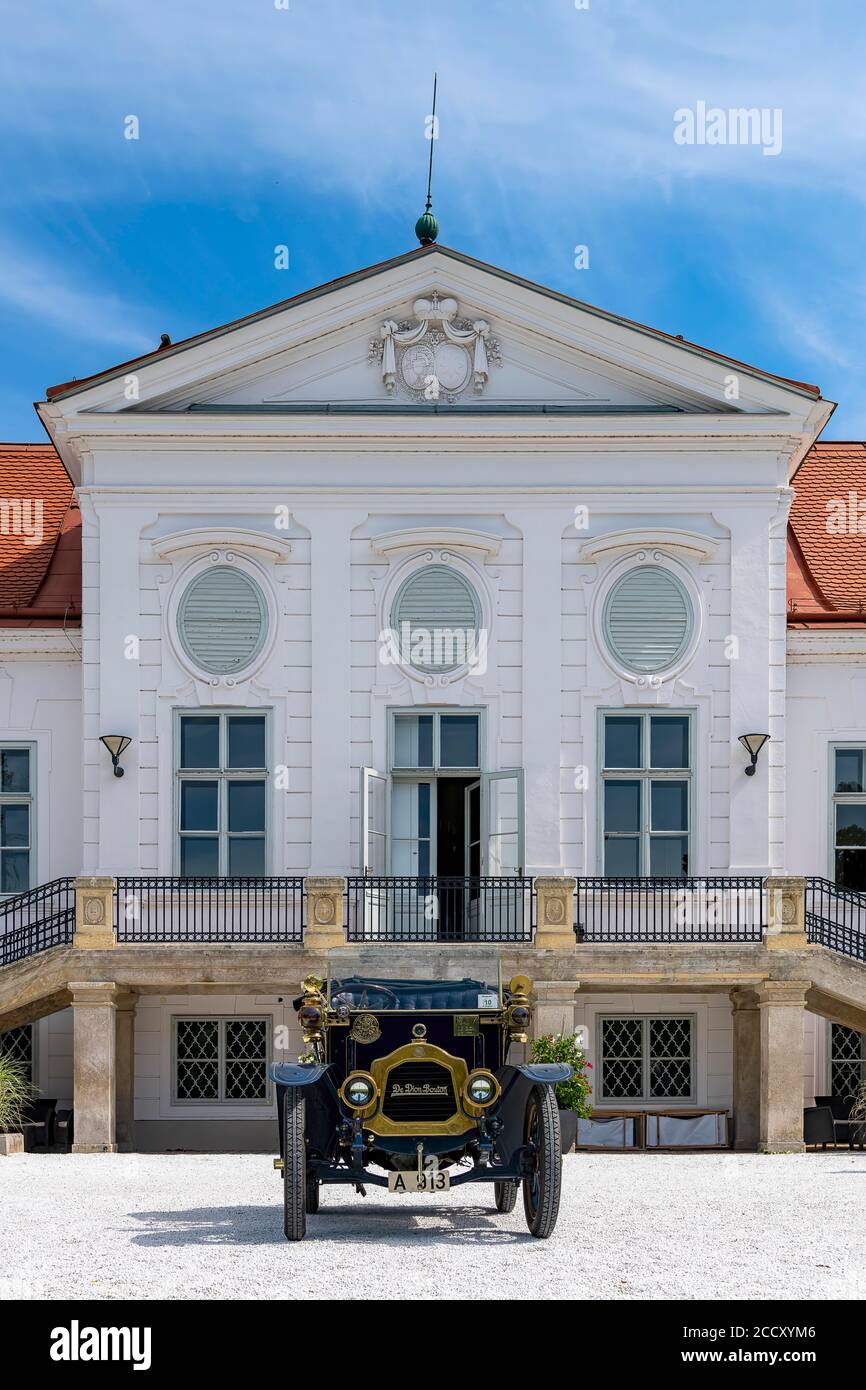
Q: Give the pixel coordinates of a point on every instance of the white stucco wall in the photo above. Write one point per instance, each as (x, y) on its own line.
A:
(826, 705)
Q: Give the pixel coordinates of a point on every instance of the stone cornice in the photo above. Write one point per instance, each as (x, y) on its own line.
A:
(39, 644)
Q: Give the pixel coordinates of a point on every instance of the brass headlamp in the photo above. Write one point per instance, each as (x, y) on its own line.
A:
(311, 1014)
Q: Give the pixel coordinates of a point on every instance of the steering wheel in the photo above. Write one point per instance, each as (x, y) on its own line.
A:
(347, 997)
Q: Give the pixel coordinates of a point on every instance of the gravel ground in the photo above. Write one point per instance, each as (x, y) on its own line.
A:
(630, 1226)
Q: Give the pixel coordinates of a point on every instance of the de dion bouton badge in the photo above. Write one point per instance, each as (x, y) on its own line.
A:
(365, 1029)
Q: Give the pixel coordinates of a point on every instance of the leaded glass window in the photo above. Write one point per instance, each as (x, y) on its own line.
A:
(18, 1043)
(221, 1060)
(647, 1057)
(847, 1060)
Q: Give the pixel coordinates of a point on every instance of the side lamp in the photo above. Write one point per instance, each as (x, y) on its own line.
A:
(753, 743)
(116, 745)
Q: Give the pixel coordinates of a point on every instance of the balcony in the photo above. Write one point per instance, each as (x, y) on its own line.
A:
(439, 909)
(519, 911)
(249, 910)
(718, 908)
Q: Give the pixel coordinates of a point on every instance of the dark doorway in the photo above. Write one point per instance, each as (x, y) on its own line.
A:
(451, 854)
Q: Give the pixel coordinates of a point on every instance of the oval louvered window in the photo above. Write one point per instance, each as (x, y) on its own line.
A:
(222, 620)
(436, 618)
(647, 619)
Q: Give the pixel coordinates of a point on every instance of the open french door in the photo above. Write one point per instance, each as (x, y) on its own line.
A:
(495, 849)
(374, 853)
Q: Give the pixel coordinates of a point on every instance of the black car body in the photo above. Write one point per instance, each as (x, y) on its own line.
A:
(405, 1085)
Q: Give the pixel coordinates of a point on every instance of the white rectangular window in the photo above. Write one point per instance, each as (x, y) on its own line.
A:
(646, 795)
(221, 808)
(646, 1057)
(849, 816)
(16, 817)
(220, 1061)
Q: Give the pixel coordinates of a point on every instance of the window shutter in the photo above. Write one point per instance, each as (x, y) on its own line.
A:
(222, 620)
(433, 602)
(647, 619)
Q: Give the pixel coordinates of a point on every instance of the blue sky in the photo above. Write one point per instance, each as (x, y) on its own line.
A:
(304, 126)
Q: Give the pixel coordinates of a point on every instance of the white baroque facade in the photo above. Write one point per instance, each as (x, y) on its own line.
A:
(273, 512)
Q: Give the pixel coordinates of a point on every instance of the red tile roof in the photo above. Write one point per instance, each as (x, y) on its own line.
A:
(827, 537)
(40, 539)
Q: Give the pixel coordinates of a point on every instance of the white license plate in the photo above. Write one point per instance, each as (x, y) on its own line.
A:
(419, 1182)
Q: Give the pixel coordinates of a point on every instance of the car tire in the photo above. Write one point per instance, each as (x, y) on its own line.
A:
(313, 1186)
(541, 1192)
(506, 1196)
(294, 1165)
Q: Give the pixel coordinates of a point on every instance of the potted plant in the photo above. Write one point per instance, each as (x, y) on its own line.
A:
(572, 1097)
(15, 1092)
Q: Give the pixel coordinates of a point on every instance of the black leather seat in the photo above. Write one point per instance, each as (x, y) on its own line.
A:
(410, 994)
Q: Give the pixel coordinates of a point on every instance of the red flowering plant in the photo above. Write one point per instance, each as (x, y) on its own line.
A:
(566, 1047)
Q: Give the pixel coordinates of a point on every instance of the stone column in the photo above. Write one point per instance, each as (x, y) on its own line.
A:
(554, 1007)
(555, 904)
(786, 913)
(125, 1070)
(324, 926)
(94, 1042)
(782, 1003)
(747, 1068)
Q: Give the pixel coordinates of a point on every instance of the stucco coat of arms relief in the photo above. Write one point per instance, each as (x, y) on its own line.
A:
(438, 356)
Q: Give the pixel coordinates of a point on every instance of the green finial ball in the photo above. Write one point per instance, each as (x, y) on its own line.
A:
(427, 228)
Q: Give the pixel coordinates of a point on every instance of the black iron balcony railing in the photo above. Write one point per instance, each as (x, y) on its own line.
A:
(400, 908)
(719, 908)
(395, 908)
(37, 920)
(210, 909)
(836, 917)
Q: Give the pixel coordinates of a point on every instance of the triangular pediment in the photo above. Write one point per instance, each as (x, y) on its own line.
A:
(434, 329)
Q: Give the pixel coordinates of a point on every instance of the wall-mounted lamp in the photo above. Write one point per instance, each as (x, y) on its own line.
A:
(753, 743)
(116, 744)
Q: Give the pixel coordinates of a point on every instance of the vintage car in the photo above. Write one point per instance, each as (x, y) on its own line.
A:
(405, 1086)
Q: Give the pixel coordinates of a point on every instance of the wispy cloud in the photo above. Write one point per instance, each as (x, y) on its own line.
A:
(50, 298)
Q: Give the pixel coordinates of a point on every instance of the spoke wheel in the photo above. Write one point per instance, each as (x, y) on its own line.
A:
(294, 1166)
(506, 1196)
(541, 1191)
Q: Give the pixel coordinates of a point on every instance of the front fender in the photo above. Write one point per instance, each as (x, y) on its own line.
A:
(297, 1074)
(518, 1083)
(546, 1073)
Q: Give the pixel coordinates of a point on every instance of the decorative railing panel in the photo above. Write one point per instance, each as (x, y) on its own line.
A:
(37, 920)
(210, 909)
(836, 917)
(719, 908)
(398, 908)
